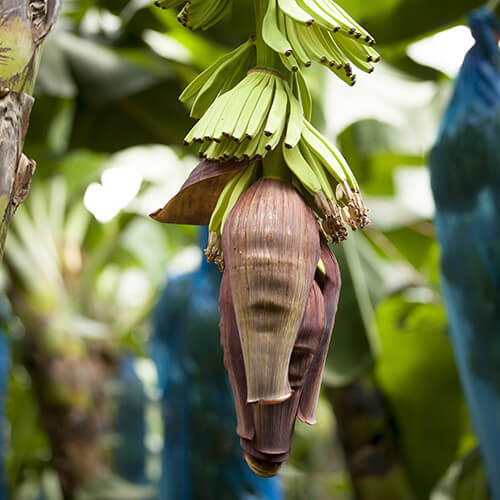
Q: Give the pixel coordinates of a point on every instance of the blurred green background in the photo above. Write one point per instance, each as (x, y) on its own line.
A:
(84, 264)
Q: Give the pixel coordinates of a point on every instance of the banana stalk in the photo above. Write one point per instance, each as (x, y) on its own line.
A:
(24, 24)
(278, 190)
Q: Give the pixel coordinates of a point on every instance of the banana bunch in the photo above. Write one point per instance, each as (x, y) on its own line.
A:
(198, 14)
(249, 120)
(322, 175)
(219, 78)
(318, 31)
(272, 173)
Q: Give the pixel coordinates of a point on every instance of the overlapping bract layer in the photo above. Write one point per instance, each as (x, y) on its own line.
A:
(271, 249)
(198, 14)
(266, 429)
(318, 30)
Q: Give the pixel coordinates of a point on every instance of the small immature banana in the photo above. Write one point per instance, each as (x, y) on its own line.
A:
(337, 51)
(250, 119)
(294, 126)
(258, 118)
(227, 199)
(198, 14)
(302, 91)
(207, 85)
(293, 10)
(278, 112)
(271, 33)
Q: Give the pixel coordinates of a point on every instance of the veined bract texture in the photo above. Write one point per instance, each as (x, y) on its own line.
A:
(274, 192)
(265, 427)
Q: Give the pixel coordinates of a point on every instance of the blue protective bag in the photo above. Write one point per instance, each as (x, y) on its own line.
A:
(5, 364)
(130, 424)
(465, 178)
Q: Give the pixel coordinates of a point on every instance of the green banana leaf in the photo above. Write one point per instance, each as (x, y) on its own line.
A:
(416, 372)
(396, 21)
(351, 351)
(465, 480)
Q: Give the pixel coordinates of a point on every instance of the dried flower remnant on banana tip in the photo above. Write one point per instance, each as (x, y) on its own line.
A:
(271, 189)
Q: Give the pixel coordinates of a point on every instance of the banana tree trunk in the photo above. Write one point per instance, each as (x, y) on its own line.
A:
(366, 435)
(24, 24)
(70, 385)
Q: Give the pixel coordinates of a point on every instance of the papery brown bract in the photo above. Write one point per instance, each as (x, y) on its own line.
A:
(197, 198)
(271, 249)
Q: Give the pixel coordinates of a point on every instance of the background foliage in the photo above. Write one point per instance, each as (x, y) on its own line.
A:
(107, 116)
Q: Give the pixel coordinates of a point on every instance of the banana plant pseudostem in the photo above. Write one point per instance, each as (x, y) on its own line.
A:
(24, 25)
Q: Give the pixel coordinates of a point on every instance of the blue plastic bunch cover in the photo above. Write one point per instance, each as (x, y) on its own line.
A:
(465, 178)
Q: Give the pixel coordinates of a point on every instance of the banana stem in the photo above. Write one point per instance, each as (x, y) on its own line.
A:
(274, 167)
(266, 57)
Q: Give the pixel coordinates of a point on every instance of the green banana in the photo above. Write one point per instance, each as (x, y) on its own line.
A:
(293, 10)
(321, 16)
(246, 179)
(340, 14)
(297, 47)
(195, 86)
(208, 84)
(304, 94)
(236, 184)
(301, 169)
(245, 62)
(168, 4)
(271, 33)
(310, 132)
(236, 101)
(277, 113)
(319, 171)
(289, 62)
(252, 102)
(224, 9)
(316, 144)
(199, 14)
(312, 48)
(261, 111)
(294, 126)
(360, 55)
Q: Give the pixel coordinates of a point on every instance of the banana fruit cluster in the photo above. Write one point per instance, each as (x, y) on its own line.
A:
(260, 105)
(319, 31)
(266, 175)
(246, 111)
(198, 14)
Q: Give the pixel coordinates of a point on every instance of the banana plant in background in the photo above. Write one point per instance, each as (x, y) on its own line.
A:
(67, 346)
(266, 179)
(465, 178)
(201, 457)
(24, 25)
(364, 423)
